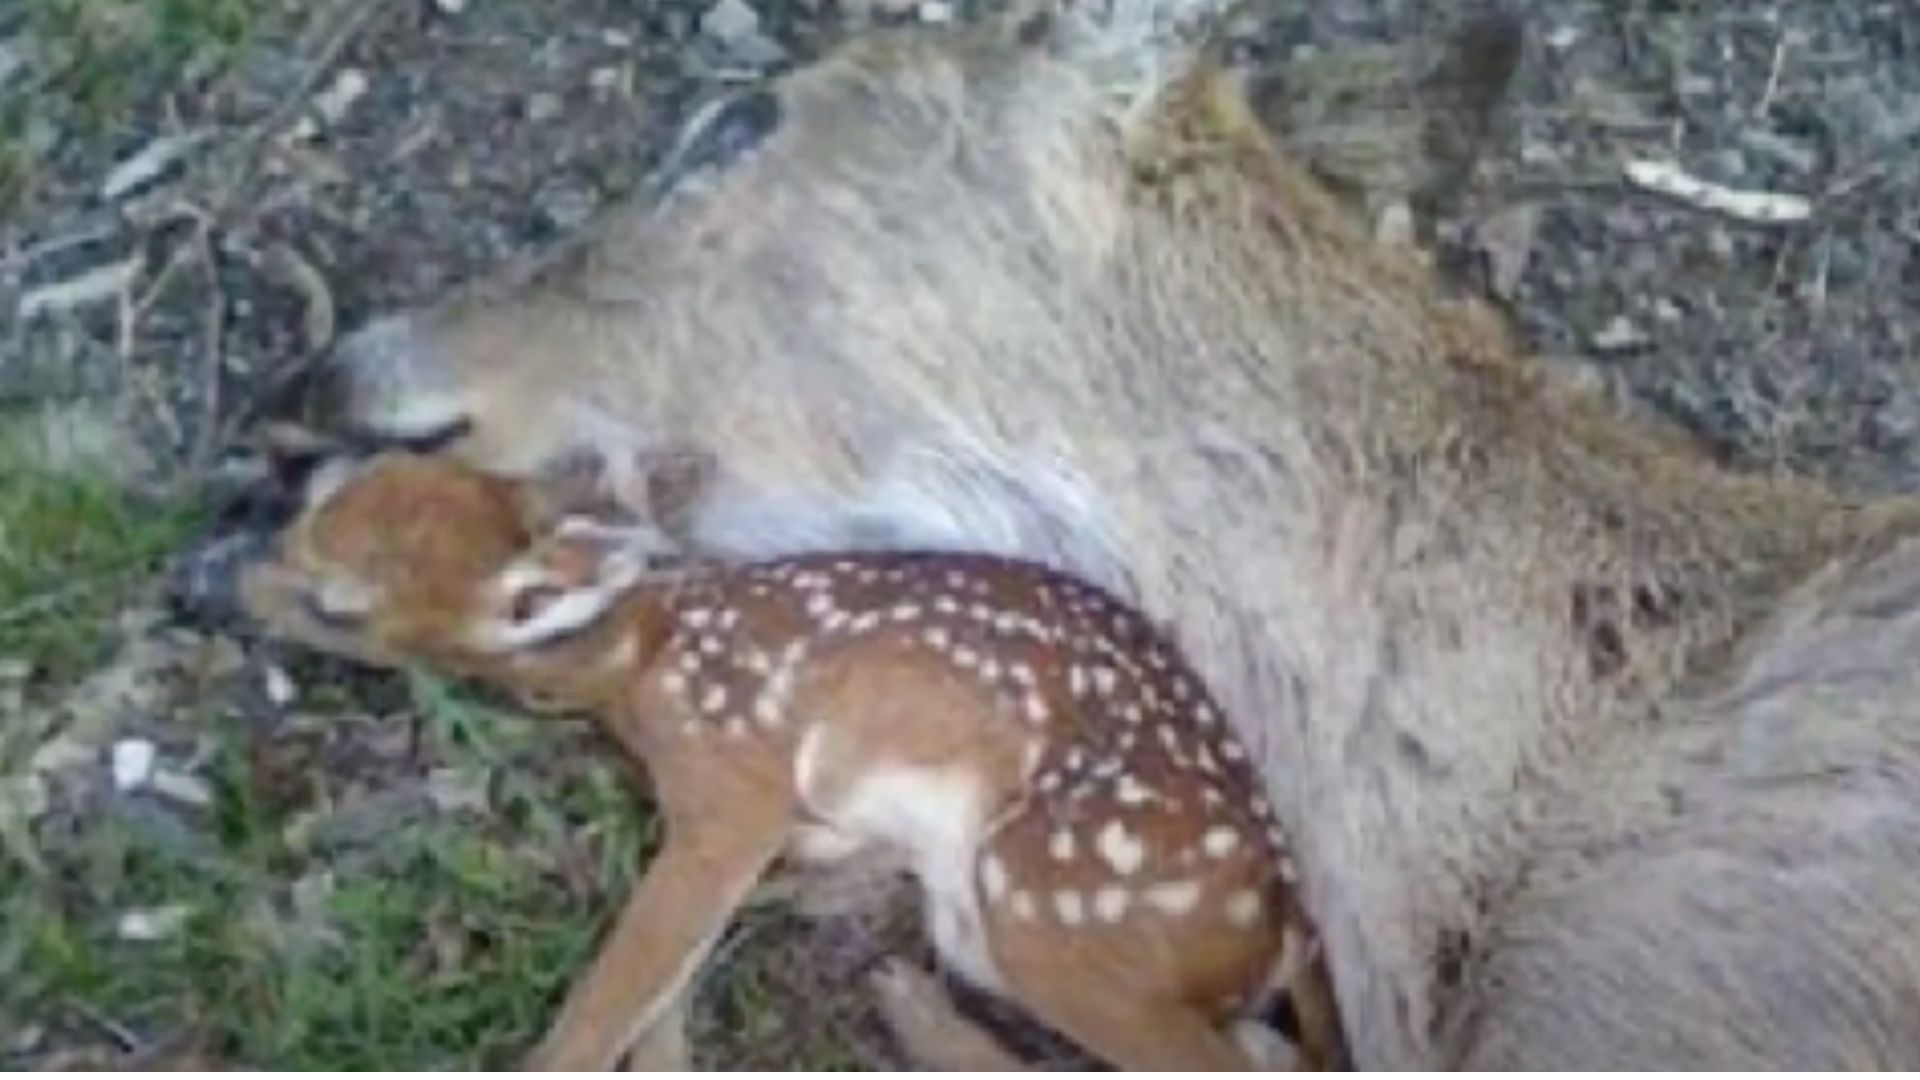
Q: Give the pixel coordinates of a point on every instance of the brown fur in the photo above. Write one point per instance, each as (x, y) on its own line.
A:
(1561, 803)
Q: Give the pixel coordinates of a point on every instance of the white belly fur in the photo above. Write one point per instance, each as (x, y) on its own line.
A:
(933, 817)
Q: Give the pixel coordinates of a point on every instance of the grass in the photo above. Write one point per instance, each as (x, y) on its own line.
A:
(439, 942)
(72, 543)
(94, 61)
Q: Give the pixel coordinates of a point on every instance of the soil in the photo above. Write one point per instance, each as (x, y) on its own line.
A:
(488, 129)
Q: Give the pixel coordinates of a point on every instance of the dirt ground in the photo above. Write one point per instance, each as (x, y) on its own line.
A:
(172, 245)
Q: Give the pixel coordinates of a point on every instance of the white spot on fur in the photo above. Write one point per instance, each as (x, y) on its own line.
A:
(1022, 904)
(698, 618)
(1131, 792)
(937, 637)
(1174, 898)
(1060, 844)
(1070, 906)
(993, 878)
(1020, 673)
(906, 612)
(714, 700)
(1036, 708)
(674, 683)
(1220, 841)
(1110, 903)
(1104, 679)
(1122, 850)
(1243, 908)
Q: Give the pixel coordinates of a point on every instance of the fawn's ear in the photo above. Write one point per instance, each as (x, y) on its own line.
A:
(565, 582)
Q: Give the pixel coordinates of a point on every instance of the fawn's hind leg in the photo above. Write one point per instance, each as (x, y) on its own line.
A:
(930, 1029)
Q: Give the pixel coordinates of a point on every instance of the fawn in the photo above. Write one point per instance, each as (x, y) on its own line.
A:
(1088, 833)
(1049, 289)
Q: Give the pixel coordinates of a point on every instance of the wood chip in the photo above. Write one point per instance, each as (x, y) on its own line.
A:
(148, 164)
(1759, 207)
(100, 284)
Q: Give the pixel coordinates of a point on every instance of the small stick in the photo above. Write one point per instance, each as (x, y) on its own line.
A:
(1759, 207)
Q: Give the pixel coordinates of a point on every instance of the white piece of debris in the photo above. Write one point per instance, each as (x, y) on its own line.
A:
(1619, 335)
(133, 761)
(152, 924)
(181, 787)
(148, 163)
(936, 12)
(279, 685)
(451, 7)
(331, 105)
(1760, 207)
(83, 290)
(730, 20)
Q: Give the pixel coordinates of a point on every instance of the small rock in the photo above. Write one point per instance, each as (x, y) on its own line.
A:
(347, 88)
(1395, 225)
(279, 685)
(728, 21)
(542, 107)
(1619, 335)
(612, 80)
(13, 57)
(181, 787)
(566, 205)
(456, 790)
(133, 761)
(735, 26)
(27, 1039)
(152, 924)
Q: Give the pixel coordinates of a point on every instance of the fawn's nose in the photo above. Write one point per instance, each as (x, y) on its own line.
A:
(204, 584)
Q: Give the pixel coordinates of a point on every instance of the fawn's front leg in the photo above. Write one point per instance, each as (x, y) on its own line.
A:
(715, 852)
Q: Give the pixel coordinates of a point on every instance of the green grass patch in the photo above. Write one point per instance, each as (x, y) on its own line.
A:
(441, 941)
(73, 544)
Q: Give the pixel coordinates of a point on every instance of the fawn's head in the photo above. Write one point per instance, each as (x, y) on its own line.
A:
(393, 556)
